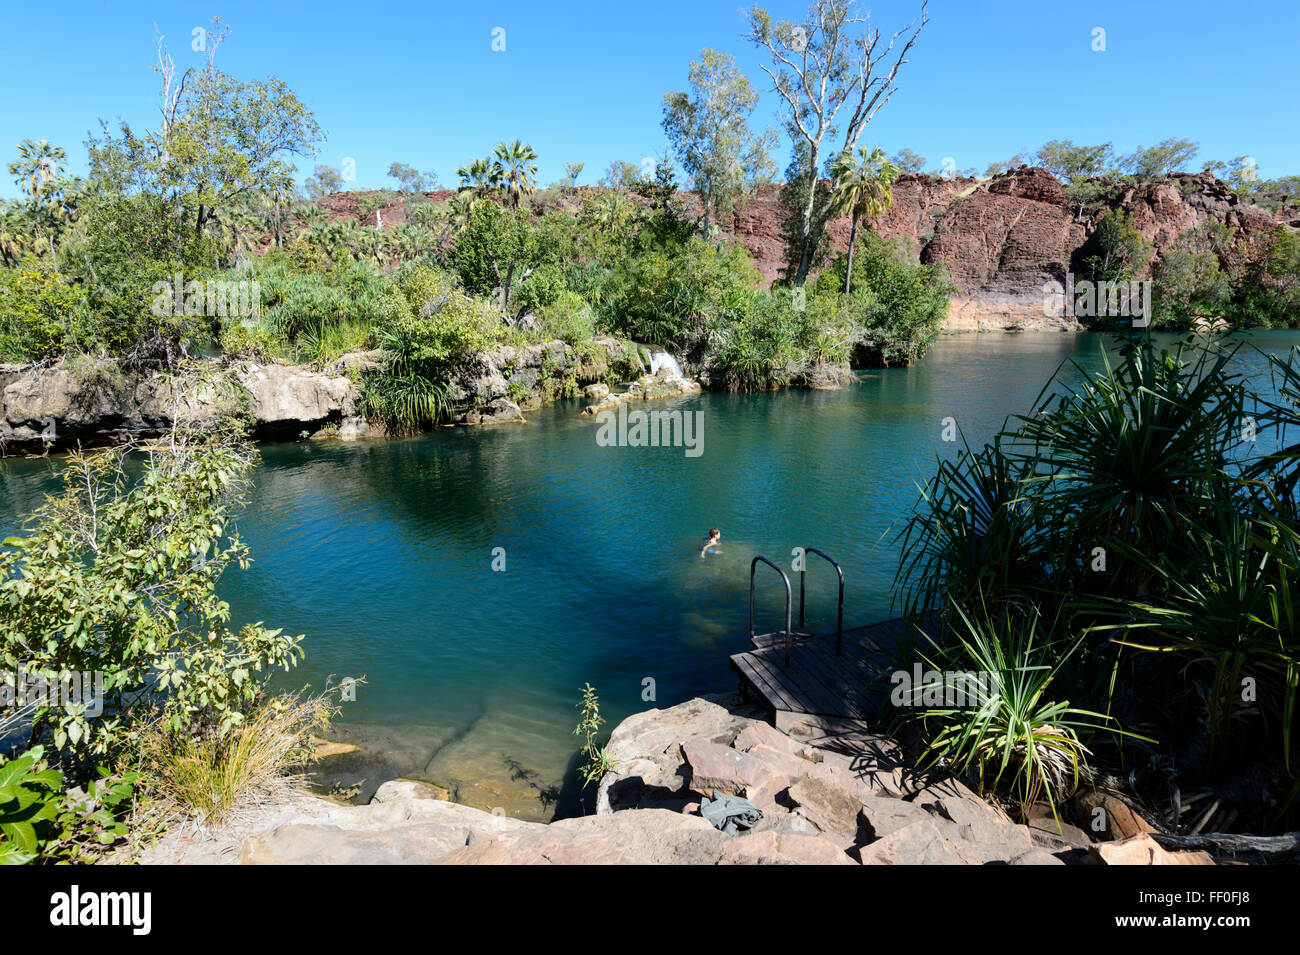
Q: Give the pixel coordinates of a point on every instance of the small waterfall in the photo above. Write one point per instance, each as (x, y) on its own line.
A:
(663, 360)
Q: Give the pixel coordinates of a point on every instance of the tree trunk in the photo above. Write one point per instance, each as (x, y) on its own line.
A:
(853, 240)
(805, 226)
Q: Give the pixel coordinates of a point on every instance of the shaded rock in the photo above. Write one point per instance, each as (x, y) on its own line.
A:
(646, 747)
(1055, 836)
(1109, 817)
(828, 807)
(880, 816)
(713, 766)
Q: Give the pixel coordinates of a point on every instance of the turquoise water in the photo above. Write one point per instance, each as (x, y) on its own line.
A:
(382, 553)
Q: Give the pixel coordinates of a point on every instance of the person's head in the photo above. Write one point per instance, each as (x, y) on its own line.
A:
(714, 534)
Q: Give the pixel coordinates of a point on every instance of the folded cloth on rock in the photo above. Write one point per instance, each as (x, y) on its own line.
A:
(731, 814)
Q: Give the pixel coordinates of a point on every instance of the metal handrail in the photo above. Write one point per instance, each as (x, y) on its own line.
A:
(839, 618)
(753, 567)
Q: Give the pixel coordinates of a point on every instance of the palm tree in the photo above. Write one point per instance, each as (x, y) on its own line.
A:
(518, 169)
(863, 186)
(480, 178)
(38, 165)
(37, 172)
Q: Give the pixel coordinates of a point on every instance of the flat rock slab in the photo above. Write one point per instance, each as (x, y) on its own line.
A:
(646, 837)
(721, 768)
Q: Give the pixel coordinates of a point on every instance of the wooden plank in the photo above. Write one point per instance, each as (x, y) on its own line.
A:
(819, 681)
(832, 692)
(815, 695)
(771, 692)
(762, 641)
(789, 694)
(796, 697)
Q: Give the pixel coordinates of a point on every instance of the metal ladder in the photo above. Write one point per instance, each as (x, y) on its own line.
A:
(839, 614)
(758, 641)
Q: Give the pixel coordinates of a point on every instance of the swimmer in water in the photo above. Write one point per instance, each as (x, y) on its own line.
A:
(715, 535)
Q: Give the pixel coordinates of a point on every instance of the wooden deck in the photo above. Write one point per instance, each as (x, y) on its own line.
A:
(818, 681)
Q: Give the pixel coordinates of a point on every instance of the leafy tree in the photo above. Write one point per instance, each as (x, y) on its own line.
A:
(863, 185)
(40, 173)
(572, 170)
(1188, 281)
(496, 250)
(1161, 160)
(831, 83)
(897, 305)
(1019, 159)
(709, 129)
(479, 179)
(118, 575)
(908, 161)
(663, 220)
(323, 182)
(411, 179)
(621, 175)
(1116, 250)
(1068, 162)
(1242, 174)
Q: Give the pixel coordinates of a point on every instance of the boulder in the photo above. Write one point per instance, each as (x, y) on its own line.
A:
(646, 747)
(645, 837)
(1143, 850)
(1109, 817)
(721, 768)
(294, 396)
(920, 843)
(881, 816)
(828, 807)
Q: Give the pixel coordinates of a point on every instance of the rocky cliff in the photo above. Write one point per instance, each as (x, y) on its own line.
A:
(1001, 240)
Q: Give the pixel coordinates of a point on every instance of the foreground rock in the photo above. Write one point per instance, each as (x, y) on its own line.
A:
(832, 779)
(831, 794)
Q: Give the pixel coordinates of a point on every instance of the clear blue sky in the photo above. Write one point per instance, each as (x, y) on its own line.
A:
(418, 82)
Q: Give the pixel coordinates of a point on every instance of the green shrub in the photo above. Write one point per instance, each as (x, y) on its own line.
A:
(119, 577)
(540, 289)
(898, 306)
(568, 318)
(42, 313)
(1014, 736)
(39, 821)
(672, 296)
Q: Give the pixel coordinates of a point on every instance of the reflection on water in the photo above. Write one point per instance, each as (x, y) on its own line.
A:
(381, 552)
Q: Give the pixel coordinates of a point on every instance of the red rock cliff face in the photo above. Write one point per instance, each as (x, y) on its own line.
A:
(1006, 243)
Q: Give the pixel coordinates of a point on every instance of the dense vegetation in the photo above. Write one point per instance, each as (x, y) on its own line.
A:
(1122, 560)
(116, 577)
(191, 238)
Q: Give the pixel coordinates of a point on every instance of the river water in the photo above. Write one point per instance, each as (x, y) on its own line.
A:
(477, 578)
